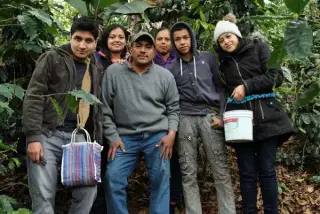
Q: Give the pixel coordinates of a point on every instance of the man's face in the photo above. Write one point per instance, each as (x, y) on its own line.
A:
(182, 41)
(82, 44)
(163, 45)
(142, 52)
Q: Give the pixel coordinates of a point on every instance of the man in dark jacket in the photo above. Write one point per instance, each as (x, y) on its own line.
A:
(57, 72)
(201, 103)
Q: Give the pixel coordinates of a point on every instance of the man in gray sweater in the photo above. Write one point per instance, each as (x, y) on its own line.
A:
(141, 114)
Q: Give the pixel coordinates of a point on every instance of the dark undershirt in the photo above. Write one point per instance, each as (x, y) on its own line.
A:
(70, 122)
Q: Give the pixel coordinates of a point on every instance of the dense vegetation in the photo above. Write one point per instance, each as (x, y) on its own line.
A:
(290, 27)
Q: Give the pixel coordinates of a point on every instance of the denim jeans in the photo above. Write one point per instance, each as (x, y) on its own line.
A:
(256, 160)
(190, 128)
(42, 180)
(118, 171)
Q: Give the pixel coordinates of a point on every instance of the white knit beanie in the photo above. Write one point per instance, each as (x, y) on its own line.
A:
(226, 26)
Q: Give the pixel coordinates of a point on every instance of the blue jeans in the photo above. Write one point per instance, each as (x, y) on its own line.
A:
(118, 171)
(256, 160)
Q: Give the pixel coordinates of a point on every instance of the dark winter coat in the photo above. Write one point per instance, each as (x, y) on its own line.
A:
(248, 66)
(55, 72)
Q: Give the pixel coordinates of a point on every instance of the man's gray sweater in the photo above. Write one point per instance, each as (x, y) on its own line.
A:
(134, 103)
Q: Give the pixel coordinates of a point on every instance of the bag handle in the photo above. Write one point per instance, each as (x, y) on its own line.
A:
(73, 136)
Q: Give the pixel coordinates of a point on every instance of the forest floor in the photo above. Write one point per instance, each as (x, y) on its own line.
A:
(296, 193)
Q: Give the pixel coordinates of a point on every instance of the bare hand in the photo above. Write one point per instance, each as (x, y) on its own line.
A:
(167, 144)
(113, 149)
(239, 93)
(35, 151)
(216, 123)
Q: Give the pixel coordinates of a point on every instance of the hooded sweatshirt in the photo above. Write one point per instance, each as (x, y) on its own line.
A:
(198, 82)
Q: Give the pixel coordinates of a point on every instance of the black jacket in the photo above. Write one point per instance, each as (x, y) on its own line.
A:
(248, 66)
(55, 73)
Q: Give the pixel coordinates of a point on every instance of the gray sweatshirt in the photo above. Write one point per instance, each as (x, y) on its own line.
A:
(134, 103)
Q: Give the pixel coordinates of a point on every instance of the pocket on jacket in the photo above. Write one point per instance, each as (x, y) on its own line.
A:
(271, 110)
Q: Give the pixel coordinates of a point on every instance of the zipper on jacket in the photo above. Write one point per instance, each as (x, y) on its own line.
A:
(262, 112)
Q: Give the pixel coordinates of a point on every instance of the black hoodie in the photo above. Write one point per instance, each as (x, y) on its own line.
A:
(198, 80)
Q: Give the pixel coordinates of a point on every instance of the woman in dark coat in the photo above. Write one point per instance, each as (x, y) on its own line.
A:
(249, 83)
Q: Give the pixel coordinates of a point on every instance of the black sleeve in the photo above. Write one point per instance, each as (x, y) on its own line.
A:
(271, 77)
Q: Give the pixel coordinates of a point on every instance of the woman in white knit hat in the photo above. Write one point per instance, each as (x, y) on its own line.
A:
(249, 83)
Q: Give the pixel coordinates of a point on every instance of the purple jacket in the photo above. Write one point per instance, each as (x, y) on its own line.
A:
(159, 61)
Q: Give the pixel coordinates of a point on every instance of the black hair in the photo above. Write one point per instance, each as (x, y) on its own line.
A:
(160, 29)
(85, 23)
(103, 43)
(178, 27)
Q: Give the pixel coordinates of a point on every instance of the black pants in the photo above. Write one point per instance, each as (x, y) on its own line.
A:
(257, 161)
(176, 190)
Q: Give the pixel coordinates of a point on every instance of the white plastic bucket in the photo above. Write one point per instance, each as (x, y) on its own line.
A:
(238, 126)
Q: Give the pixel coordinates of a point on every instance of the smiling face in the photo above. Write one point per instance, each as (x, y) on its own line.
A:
(163, 45)
(228, 42)
(182, 41)
(142, 52)
(82, 44)
(116, 40)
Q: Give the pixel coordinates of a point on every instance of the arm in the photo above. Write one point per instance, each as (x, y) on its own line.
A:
(107, 93)
(270, 78)
(33, 104)
(172, 103)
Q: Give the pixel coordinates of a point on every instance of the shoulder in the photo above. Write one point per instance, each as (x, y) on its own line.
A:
(115, 69)
(161, 72)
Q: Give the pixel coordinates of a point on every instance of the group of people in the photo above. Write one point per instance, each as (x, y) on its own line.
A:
(160, 97)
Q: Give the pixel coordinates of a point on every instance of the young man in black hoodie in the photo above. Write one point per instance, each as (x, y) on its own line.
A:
(59, 71)
(202, 103)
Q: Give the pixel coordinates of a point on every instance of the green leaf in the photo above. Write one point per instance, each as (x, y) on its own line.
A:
(202, 16)
(11, 165)
(261, 2)
(315, 179)
(16, 90)
(57, 108)
(6, 147)
(6, 203)
(296, 6)
(21, 211)
(5, 107)
(287, 73)
(277, 55)
(317, 36)
(31, 46)
(72, 103)
(110, 10)
(204, 25)
(306, 118)
(101, 4)
(79, 5)
(134, 7)
(16, 161)
(5, 91)
(42, 16)
(85, 96)
(29, 25)
(298, 40)
(309, 95)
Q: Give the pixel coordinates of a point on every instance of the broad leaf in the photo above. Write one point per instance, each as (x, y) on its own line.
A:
(317, 36)
(101, 4)
(16, 90)
(5, 107)
(79, 5)
(287, 73)
(134, 7)
(42, 16)
(111, 9)
(16, 161)
(202, 16)
(6, 203)
(21, 211)
(277, 55)
(72, 103)
(6, 147)
(5, 91)
(57, 108)
(31, 46)
(296, 6)
(298, 40)
(29, 25)
(308, 95)
(86, 97)
(261, 2)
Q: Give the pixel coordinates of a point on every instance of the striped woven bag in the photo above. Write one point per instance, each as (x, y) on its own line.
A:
(81, 162)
